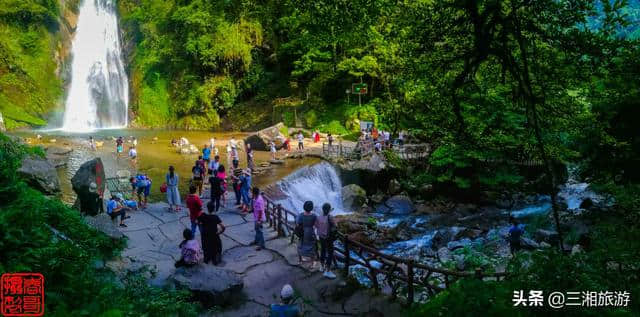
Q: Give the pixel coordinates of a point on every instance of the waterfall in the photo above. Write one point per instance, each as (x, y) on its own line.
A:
(99, 93)
(319, 183)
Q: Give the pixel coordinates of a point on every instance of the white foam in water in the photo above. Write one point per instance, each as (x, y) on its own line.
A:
(318, 183)
(99, 93)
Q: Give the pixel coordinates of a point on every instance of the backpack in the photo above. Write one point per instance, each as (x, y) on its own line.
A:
(197, 171)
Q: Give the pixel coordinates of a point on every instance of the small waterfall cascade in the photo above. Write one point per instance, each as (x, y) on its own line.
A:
(99, 93)
(319, 183)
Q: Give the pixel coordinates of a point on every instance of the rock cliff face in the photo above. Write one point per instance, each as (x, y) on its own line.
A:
(67, 27)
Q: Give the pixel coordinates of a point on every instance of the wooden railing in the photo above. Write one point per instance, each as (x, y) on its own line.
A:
(401, 275)
(364, 148)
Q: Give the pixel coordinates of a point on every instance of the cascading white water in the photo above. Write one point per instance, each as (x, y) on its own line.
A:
(318, 183)
(99, 93)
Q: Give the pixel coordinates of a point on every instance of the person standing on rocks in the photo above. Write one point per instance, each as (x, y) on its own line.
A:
(300, 141)
(235, 182)
(195, 208)
(222, 175)
(245, 187)
(216, 190)
(92, 143)
(249, 157)
(515, 234)
(272, 149)
(119, 146)
(214, 165)
(259, 217)
(206, 156)
(143, 185)
(198, 176)
(116, 208)
(286, 308)
(326, 228)
(305, 225)
(211, 228)
(173, 194)
(190, 250)
(316, 137)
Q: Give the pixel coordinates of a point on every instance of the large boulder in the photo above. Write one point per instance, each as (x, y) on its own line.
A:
(41, 175)
(400, 205)
(394, 187)
(58, 155)
(104, 224)
(260, 140)
(89, 183)
(353, 197)
(209, 284)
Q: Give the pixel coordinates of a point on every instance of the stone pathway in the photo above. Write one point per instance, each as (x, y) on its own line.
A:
(154, 235)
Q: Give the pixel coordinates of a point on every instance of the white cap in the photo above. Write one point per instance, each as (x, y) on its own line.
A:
(287, 291)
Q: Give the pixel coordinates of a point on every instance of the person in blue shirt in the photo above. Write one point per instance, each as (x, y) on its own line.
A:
(245, 188)
(286, 308)
(206, 155)
(515, 233)
(143, 185)
(115, 208)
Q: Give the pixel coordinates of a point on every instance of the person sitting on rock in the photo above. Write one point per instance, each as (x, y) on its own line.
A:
(116, 208)
(190, 250)
(286, 308)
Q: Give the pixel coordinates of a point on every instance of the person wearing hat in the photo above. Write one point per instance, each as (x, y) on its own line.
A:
(115, 208)
(306, 222)
(286, 308)
(326, 228)
(245, 187)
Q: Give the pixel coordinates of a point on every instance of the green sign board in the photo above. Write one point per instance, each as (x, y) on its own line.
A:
(359, 89)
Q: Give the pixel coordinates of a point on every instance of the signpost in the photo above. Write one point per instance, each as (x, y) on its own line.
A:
(359, 89)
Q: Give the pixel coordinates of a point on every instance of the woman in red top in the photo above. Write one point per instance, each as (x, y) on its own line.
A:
(195, 207)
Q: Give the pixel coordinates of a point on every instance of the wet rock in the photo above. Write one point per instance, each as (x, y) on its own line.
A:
(353, 196)
(104, 224)
(576, 249)
(377, 198)
(441, 238)
(544, 245)
(260, 140)
(529, 244)
(89, 183)
(400, 205)
(361, 237)
(458, 244)
(394, 187)
(210, 285)
(40, 174)
(460, 263)
(444, 255)
(426, 189)
(549, 236)
(467, 233)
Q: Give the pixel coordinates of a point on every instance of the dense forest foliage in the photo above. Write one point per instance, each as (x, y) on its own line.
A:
(483, 80)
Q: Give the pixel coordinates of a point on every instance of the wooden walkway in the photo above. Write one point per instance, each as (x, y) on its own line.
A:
(402, 276)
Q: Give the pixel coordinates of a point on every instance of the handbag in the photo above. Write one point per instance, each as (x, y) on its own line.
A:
(163, 188)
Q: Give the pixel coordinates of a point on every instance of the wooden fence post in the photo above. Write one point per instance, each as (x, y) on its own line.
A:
(347, 256)
(410, 282)
(279, 221)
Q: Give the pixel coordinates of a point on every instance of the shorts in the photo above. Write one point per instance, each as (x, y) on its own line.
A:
(207, 160)
(119, 148)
